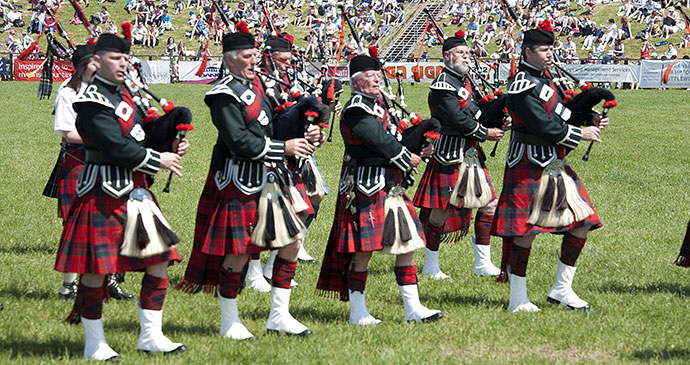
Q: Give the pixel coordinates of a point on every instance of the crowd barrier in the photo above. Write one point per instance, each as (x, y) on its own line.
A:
(648, 73)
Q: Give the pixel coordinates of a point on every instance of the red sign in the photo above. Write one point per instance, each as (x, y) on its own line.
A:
(30, 70)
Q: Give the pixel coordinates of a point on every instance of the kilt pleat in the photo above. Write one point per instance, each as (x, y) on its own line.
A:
(72, 164)
(93, 232)
(520, 186)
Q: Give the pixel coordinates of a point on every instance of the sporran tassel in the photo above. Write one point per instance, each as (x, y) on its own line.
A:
(471, 190)
(562, 202)
(168, 236)
(292, 228)
(308, 177)
(270, 232)
(547, 202)
(277, 225)
(405, 234)
(400, 234)
(389, 229)
(142, 236)
(548, 208)
(147, 233)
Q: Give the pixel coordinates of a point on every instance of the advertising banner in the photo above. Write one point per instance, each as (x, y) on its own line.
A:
(30, 70)
(156, 72)
(188, 69)
(652, 73)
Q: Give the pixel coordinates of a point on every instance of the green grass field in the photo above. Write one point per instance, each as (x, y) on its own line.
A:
(637, 179)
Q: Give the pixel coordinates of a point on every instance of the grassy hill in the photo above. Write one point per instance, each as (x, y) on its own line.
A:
(117, 12)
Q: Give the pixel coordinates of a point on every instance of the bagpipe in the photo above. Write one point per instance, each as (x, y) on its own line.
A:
(581, 104)
(161, 130)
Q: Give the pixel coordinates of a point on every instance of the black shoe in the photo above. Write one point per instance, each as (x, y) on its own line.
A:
(117, 293)
(305, 333)
(2, 307)
(433, 318)
(68, 290)
(180, 349)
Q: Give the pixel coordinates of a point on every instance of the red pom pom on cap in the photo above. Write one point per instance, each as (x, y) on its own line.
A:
(545, 25)
(460, 33)
(242, 27)
(126, 29)
(374, 51)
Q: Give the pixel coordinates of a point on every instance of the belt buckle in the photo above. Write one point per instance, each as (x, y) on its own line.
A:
(140, 194)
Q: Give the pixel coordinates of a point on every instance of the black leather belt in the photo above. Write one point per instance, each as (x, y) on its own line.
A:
(531, 139)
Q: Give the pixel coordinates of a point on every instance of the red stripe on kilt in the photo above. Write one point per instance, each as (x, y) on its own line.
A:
(93, 232)
(520, 186)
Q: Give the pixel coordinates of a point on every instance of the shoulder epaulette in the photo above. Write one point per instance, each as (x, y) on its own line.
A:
(92, 95)
(360, 102)
(521, 83)
(235, 89)
(441, 84)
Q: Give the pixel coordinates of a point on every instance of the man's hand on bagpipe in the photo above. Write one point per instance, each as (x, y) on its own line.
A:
(299, 147)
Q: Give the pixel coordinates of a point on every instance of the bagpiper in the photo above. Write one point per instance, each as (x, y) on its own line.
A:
(372, 212)
(114, 224)
(456, 180)
(541, 192)
(245, 207)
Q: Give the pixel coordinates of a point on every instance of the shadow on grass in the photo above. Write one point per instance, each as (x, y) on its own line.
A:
(464, 300)
(658, 287)
(663, 354)
(53, 348)
(24, 250)
(210, 326)
(20, 293)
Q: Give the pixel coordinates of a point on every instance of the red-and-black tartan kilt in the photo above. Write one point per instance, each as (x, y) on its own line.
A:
(456, 226)
(223, 222)
(299, 185)
(438, 181)
(93, 232)
(72, 163)
(344, 239)
(520, 186)
(366, 235)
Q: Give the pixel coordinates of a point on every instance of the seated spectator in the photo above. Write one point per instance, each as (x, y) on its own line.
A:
(619, 49)
(647, 46)
(151, 37)
(425, 57)
(138, 33)
(624, 32)
(171, 47)
(130, 5)
(166, 21)
(672, 52)
(611, 33)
